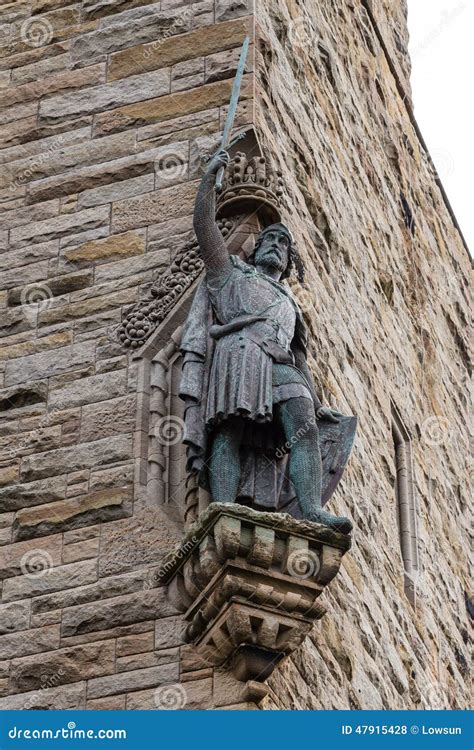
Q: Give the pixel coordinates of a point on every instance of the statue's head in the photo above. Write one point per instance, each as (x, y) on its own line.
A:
(275, 251)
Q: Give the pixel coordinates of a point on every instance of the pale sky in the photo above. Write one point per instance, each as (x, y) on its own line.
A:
(442, 55)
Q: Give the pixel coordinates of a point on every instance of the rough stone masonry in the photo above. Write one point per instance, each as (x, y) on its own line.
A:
(107, 107)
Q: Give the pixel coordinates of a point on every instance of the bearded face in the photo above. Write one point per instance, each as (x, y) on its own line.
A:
(273, 253)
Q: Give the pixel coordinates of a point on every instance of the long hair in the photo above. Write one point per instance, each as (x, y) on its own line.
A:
(294, 258)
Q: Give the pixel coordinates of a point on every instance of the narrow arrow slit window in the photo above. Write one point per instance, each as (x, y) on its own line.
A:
(406, 504)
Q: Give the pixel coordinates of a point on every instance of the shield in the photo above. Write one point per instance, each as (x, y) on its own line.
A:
(336, 441)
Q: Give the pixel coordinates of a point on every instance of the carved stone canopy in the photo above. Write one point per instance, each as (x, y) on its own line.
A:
(251, 185)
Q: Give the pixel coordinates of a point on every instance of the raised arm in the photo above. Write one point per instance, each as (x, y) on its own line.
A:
(211, 242)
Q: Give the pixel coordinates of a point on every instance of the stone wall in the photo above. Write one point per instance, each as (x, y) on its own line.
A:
(107, 109)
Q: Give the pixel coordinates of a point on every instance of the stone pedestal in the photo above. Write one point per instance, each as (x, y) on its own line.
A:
(249, 584)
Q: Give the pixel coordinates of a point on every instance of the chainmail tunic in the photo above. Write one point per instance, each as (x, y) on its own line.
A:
(244, 379)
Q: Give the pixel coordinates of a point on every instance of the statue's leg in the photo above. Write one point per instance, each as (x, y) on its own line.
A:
(224, 467)
(305, 466)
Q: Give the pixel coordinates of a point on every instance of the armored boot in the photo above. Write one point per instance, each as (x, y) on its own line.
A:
(338, 523)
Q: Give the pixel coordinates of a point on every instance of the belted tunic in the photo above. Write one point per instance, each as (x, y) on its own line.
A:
(252, 364)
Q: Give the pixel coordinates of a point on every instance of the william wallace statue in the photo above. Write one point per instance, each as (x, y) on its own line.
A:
(253, 418)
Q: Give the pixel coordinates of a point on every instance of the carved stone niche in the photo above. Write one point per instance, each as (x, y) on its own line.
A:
(249, 583)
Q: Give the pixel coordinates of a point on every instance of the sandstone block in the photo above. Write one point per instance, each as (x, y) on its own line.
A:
(86, 390)
(81, 551)
(117, 191)
(42, 365)
(27, 275)
(130, 681)
(170, 202)
(71, 79)
(111, 248)
(117, 632)
(171, 164)
(19, 216)
(33, 493)
(169, 632)
(54, 579)
(27, 255)
(89, 455)
(118, 611)
(105, 505)
(28, 73)
(100, 8)
(91, 306)
(42, 231)
(187, 74)
(8, 474)
(54, 341)
(54, 287)
(107, 176)
(137, 541)
(58, 160)
(138, 266)
(14, 616)
(130, 28)
(99, 98)
(135, 644)
(104, 588)
(108, 418)
(226, 9)
(48, 618)
(29, 642)
(121, 476)
(20, 112)
(145, 660)
(15, 321)
(169, 106)
(175, 49)
(63, 666)
(31, 140)
(59, 698)
(111, 703)
(82, 535)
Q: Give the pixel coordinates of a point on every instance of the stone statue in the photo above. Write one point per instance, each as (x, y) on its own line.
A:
(251, 409)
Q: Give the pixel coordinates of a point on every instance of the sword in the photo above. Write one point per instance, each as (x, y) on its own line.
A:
(234, 99)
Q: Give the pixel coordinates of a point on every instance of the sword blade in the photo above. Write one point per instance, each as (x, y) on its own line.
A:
(234, 100)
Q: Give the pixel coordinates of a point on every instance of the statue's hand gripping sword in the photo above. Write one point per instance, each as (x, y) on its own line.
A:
(234, 100)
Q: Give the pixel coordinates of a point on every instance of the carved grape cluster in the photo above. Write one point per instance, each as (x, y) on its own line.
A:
(135, 330)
